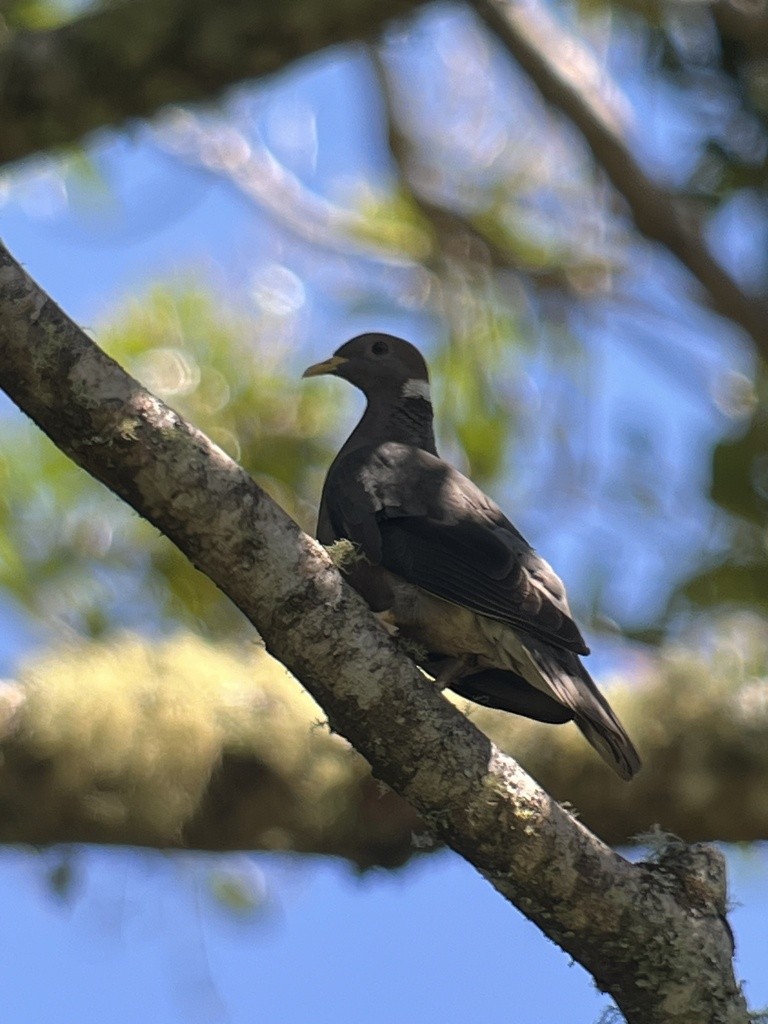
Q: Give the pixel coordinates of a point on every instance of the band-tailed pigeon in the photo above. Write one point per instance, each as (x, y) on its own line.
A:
(443, 563)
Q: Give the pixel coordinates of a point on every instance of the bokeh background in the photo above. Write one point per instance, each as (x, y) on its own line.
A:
(611, 395)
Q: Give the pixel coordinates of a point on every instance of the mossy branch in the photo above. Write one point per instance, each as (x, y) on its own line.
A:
(182, 743)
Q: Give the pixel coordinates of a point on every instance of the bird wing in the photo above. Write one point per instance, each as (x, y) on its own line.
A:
(423, 520)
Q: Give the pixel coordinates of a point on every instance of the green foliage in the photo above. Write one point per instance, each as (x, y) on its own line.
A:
(69, 549)
(740, 465)
(484, 333)
(744, 586)
(238, 890)
(234, 382)
(739, 485)
(34, 14)
(470, 369)
(392, 220)
(740, 471)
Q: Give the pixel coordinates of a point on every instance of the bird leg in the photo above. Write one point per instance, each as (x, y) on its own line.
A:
(447, 671)
(386, 620)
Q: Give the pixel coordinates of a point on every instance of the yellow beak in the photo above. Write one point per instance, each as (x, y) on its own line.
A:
(327, 366)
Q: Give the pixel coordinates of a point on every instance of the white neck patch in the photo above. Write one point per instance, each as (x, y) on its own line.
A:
(416, 389)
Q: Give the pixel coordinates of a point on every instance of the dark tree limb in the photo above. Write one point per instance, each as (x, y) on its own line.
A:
(131, 58)
(541, 48)
(653, 935)
(747, 23)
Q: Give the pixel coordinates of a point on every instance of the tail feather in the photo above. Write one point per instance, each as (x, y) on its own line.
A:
(612, 744)
(571, 684)
(560, 675)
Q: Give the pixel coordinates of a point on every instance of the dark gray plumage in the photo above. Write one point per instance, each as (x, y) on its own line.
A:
(445, 565)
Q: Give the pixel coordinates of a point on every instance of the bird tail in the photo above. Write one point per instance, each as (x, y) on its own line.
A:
(610, 740)
(561, 677)
(571, 684)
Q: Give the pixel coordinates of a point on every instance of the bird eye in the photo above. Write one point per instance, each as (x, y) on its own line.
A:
(379, 348)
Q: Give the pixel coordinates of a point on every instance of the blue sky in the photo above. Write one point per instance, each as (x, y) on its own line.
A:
(139, 937)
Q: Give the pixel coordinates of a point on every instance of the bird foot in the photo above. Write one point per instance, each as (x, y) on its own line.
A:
(448, 670)
(387, 622)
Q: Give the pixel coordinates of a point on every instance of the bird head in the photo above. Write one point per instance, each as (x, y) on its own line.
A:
(378, 363)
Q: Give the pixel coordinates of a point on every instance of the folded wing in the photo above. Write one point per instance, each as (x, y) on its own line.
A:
(418, 517)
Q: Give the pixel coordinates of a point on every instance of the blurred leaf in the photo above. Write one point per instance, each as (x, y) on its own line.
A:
(239, 891)
(740, 472)
(34, 14)
(71, 551)
(479, 355)
(737, 585)
(739, 486)
(61, 878)
(392, 220)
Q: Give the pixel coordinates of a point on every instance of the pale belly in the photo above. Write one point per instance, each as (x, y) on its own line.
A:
(451, 630)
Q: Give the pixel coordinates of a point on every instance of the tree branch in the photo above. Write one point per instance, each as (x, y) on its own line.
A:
(132, 58)
(252, 168)
(129, 59)
(543, 50)
(653, 935)
(245, 764)
(747, 23)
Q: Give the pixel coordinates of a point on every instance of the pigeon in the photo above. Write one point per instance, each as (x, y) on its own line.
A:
(441, 564)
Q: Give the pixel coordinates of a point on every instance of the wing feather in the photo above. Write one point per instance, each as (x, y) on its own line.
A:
(415, 515)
